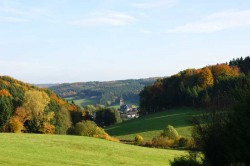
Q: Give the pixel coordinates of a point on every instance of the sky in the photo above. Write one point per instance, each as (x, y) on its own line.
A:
(59, 41)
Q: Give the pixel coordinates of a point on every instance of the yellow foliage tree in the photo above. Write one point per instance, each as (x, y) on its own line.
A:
(205, 78)
(15, 125)
(17, 120)
(221, 71)
(35, 103)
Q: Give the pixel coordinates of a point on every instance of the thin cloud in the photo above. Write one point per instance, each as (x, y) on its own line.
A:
(14, 15)
(149, 4)
(12, 11)
(106, 19)
(13, 19)
(216, 22)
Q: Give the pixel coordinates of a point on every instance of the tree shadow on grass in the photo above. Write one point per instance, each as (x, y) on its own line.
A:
(157, 121)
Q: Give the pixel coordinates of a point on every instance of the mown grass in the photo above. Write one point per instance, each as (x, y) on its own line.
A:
(52, 150)
(151, 125)
(83, 102)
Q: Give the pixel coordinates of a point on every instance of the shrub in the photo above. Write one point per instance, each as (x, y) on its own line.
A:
(161, 141)
(89, 128)
(170, 132)
(168, 138)
(188, 160)
(71, 131)
(138, 139)
(183, 142)
(149, 144)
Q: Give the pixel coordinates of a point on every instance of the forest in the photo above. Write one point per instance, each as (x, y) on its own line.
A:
(221, 132)
(26, 108)
(216, 86)
(105, 93)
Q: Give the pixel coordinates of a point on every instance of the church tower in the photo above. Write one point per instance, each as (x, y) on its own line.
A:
(121, 102)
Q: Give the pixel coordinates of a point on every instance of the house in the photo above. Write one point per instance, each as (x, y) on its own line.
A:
(127, 111)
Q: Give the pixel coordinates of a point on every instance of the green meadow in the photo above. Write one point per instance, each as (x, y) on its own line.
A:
(83, 102)
(151, 125)
(52, 150)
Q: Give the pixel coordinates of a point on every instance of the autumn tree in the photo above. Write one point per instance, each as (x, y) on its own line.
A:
(205, 78)
(35, 103)
(222, 71)
(18, 119)
(4, 93)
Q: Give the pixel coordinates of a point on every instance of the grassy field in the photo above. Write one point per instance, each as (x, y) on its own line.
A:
(94, 101)
(81, 102)
(52, 150)
(151, 125)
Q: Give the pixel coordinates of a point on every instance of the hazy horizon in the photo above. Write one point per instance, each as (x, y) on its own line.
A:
(65, 41)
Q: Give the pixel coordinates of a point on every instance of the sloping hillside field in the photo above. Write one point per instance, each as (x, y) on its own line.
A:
(151, 125)
(36, 149)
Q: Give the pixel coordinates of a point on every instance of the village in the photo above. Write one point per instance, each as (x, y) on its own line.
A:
(128, 111)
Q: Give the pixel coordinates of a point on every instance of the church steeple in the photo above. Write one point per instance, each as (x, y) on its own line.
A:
(121, 102)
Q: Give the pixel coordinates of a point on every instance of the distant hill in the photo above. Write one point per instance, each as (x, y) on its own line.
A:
(105, 93)
(45, 85)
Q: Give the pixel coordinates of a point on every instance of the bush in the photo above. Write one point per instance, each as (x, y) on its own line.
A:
(71, 131)
(189, 160)
(168, 138)
(161, 141)
(183, 142)
(138, 139)
(170, 133)
(89, 128)
(149, 144)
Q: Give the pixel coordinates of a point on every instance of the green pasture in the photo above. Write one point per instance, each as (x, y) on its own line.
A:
(151, 125)
(53, 150)
(83, 102)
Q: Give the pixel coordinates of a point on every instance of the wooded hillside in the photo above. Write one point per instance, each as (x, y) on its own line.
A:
(105, 93)
(211, 86)
(26, 108)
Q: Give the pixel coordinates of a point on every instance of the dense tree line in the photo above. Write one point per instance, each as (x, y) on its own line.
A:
(106, 93)
(212, 86)
(242, 63)
(100, 114)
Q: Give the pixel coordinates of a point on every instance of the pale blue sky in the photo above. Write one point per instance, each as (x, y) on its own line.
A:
(56, 41)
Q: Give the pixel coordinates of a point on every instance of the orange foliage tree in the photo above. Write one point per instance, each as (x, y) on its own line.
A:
(205, 78)
(221, 71)
(18, 119)
(4, 93)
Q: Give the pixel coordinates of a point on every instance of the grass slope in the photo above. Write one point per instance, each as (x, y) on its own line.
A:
(151, 125)
(35, 149)
(83, 102)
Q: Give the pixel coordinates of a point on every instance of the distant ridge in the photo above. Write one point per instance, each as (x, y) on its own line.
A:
(45, 85)
(102, 92)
